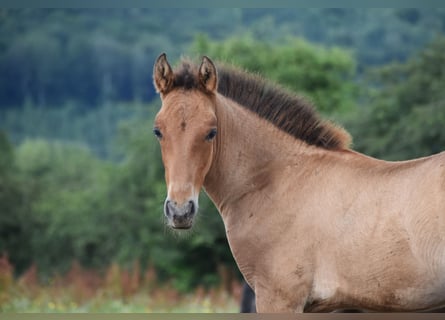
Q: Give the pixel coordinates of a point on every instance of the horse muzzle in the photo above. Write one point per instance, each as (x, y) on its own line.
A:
(180, 216)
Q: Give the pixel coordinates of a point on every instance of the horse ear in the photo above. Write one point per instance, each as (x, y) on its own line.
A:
(207, 74)
(162, 74)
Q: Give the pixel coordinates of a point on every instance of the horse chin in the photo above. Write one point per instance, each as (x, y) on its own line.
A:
(182, 226)
(179, 228)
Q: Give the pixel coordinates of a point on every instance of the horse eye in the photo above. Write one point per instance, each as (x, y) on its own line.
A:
(157, 133)
(211, 134)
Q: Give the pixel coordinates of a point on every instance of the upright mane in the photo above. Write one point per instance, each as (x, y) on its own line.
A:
(287, 111)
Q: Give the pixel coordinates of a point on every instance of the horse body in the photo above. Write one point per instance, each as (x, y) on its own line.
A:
(311, 228)
(334, 229)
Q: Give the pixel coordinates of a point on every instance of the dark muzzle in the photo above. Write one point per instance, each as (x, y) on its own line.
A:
(180, 216)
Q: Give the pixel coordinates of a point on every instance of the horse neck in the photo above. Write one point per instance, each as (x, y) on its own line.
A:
(246, 147)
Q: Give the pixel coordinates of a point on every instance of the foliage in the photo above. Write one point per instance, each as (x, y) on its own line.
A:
(97, 128)
(91, 57)
(407, 108)
(65, 191)
(51, 56)
(377, 35)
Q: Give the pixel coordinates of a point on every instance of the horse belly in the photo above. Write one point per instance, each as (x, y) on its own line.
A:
(400, 291)
(385, 283)
(421, 298)
(330, 296)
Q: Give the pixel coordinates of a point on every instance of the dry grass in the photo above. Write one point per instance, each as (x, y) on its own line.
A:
(116, 290)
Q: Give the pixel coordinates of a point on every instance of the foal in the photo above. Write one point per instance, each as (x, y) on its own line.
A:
(312, 225)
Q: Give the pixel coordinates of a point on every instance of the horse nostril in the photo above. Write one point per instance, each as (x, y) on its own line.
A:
(192, 207)
(167, 208)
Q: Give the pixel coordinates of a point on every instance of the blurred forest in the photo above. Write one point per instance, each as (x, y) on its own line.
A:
(81, 177)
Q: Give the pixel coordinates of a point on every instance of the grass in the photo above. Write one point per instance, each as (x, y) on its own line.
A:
(116, 291)
(45, 302)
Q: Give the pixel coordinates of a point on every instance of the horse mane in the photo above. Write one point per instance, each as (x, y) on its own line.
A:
(287, 111)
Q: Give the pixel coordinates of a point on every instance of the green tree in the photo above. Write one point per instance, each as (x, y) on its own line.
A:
(406, 109)
(66, 195)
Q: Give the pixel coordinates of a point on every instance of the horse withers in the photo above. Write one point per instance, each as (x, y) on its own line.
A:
(312, 225)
